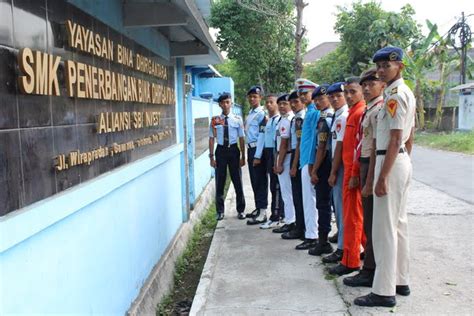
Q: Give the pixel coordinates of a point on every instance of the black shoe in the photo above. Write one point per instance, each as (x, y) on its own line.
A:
(403, 290)
(254, 213)
(335, 257)
(376, 300)
(363, 278)
(341, 269)
(255, 221)
(320, 249)
(306, 244)
(220, 216)
(241, 215)
(283, 229)
(333, 239)
(293, 234)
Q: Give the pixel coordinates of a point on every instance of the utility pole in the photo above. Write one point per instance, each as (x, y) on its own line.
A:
(462, 37)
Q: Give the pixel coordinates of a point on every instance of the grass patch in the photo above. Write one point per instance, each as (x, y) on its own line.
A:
(190, 263)
(189, 266)
(454, 141)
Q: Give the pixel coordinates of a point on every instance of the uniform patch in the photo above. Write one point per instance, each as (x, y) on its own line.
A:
(366, 131)
(216, 120)
(323, 137)
(338, 126)
(392, 105)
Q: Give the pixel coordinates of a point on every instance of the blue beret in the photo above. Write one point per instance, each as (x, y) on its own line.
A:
(321, 90)
(224, 96)
(389, 53)
(336, 87)
(293, 96)
(255, 90)
(283, 97)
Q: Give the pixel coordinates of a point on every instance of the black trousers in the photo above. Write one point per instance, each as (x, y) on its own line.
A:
(368, 206)
(228, 157)
(277, 200)
(258, 179)
(297, 196)
(323, 198)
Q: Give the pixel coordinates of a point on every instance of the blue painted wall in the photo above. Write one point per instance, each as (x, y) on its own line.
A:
(217, 86)
(95, 259)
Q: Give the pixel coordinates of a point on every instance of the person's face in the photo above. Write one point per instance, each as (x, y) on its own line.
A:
(284, 107)
(225, 105)
(372, 89)
(305, 97)
(296, 105)
(337, 100)
(322, 102)
(353, 93)
(254, 99)
(271, 104)
(389, 71)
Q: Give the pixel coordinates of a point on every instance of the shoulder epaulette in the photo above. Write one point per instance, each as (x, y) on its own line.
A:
(324, 114)
(394, 91)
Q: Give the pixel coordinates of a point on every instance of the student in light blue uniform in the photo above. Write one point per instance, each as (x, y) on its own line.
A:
(258, 173)
(266, 149)
(226, 130)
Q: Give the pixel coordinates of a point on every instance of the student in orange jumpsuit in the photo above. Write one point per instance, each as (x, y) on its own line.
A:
(351, 192)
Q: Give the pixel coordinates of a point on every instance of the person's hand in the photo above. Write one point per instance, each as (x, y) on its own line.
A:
(256, 162)
(381, 188)
(367, 190)
(278, 169)
(314, 178)
(332, 179)
(293, 172)
(353, 182)
(213, 163)
(242, 162)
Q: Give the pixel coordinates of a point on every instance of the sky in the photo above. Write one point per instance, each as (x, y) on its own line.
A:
(319, 16)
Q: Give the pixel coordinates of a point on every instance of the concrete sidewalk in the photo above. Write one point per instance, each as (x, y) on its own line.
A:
(250, 271)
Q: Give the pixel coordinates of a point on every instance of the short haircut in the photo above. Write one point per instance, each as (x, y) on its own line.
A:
(352, 79)
(271, 95)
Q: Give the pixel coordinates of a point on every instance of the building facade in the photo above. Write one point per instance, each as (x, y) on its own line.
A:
(98, 147)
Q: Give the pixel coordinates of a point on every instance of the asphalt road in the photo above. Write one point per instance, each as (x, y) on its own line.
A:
(449, 172)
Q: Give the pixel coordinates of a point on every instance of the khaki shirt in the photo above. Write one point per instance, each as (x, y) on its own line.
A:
(398, 112)
(367, 125)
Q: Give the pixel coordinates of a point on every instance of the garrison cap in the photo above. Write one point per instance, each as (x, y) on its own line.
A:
(293, 95)
(255, 90)
(389, 53)
(369, 75)
(224, 96)
(283, 97)
(336, 87)
(321, 90)
(304, 85)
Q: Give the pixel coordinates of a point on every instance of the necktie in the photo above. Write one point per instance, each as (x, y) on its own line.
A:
(226, 132)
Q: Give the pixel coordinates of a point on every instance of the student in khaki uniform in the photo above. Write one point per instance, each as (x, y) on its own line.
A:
(393, 171)
(372, 88)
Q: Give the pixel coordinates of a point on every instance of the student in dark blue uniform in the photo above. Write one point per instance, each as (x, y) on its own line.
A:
(322, 169)
(226, 129)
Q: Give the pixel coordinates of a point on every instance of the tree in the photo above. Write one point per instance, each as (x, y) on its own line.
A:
(261, 44)
(418, 62)
(366, 27)
(299, 36)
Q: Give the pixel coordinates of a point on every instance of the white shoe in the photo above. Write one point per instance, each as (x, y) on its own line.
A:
(269, 224)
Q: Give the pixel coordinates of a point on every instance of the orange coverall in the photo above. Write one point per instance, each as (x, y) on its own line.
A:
(352, 198)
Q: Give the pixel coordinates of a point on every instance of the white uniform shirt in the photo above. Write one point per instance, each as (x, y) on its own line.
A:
(283, 129)
(398, 112)
(339, 126)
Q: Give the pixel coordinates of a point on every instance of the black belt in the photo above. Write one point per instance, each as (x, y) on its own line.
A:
(383, 152)
(288, 152)
(364, 159)
(230, 146)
